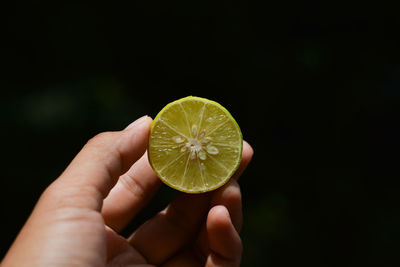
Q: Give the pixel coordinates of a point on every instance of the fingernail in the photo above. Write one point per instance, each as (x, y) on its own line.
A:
(137, 122)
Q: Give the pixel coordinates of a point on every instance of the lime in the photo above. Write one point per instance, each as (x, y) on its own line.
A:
(195, 145)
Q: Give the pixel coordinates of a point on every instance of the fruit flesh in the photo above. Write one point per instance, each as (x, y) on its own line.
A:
(195, 145)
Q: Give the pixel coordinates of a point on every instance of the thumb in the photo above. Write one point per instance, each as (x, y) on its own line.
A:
(97, 167)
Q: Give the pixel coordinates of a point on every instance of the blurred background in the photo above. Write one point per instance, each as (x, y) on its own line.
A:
(315, 90)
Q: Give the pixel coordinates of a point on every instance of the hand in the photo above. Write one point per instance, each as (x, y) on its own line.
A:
(77, 219)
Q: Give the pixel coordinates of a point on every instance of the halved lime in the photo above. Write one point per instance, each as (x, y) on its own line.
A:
(195, 145)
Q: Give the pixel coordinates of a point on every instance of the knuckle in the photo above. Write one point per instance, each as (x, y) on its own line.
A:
(101, 138)
(132, 186)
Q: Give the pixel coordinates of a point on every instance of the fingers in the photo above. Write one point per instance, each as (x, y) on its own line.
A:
(96, 168)
(166, 233)
(133, 190)
(224, 241)
(228, 196)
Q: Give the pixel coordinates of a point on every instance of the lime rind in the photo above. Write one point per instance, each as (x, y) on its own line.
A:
(233, 169)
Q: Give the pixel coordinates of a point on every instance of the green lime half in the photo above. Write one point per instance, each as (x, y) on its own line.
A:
(195, 145)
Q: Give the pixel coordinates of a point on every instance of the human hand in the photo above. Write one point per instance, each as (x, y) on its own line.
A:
(77, 219)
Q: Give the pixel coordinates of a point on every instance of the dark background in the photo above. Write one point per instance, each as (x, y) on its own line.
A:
(314, 88)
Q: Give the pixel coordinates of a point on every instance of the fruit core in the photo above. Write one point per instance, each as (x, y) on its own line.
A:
(199, 145)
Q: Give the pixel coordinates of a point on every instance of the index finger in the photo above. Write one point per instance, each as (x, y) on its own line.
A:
(132, 192)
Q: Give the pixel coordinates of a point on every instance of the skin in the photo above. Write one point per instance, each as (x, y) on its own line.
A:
(78, 217)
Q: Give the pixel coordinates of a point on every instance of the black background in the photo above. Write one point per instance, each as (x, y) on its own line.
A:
(315, 90)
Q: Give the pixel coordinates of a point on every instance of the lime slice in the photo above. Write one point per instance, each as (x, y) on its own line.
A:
(195, 145)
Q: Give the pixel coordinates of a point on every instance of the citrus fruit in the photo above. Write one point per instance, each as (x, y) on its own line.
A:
(195, 145)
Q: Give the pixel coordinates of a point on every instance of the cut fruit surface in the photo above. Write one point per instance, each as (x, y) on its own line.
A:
(195, 145)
